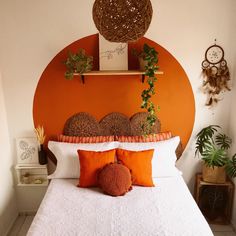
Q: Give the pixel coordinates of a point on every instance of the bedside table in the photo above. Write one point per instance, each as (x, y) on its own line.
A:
(31, 175)
(32, 185)
(214, 200)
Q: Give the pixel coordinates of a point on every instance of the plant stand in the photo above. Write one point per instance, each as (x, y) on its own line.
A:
(214, 200)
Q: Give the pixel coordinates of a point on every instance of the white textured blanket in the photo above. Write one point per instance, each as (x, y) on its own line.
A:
(165, 210)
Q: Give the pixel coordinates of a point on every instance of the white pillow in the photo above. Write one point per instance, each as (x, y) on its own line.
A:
(67, 157)
(164, 157)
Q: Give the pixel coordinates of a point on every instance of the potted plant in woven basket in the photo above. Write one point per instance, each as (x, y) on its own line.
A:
(212, 146)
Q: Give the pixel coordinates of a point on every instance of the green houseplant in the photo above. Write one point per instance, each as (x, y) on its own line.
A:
(78, 63)
(212, 146)
(150, 59)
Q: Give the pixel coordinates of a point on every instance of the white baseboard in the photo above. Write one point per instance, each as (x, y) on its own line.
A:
(10, 225)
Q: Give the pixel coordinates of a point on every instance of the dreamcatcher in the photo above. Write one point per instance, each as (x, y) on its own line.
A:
(215, 73)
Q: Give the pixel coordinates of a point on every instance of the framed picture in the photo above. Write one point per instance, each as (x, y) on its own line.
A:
(112, 56)
(27, 151)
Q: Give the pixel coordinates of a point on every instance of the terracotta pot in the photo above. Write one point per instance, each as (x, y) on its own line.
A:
(214, 175)
(142, 63)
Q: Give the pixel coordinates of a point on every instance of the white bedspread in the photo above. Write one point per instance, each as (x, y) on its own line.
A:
(165, 210)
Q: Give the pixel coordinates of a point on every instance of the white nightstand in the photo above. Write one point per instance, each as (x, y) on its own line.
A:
(32, 185)
(31, 175)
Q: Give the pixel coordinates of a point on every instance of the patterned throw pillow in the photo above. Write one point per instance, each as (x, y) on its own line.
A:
(145, 138)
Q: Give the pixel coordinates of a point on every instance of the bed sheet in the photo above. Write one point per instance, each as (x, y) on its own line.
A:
(165, 210)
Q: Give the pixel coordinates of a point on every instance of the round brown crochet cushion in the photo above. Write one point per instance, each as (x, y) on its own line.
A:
(115, 179)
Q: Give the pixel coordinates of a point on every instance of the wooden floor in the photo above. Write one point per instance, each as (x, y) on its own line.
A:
(22, 224)
(223, 230)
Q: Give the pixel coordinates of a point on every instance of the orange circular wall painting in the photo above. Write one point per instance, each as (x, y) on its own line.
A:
(56, 99)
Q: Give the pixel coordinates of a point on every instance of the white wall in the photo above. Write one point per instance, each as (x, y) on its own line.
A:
(8, 208)
(186, 29)
(232, 117)
(35, 31)
(232, 134)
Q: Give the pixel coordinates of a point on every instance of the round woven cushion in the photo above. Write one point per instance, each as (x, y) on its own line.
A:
(140, 118)
(115, 123)
(122, 20)
(115, 179)
(81, 124)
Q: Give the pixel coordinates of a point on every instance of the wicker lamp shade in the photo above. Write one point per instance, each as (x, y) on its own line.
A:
(122, 20)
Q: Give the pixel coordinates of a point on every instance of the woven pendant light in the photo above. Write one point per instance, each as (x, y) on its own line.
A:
(122, 20)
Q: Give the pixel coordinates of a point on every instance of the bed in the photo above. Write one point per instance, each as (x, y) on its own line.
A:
(165, 210)
(168, 209)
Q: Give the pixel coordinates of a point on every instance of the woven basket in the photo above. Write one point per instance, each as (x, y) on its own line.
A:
(122, 20)
(214, 175)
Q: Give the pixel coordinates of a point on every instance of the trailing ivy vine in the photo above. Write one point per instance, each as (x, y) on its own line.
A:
(149, 55)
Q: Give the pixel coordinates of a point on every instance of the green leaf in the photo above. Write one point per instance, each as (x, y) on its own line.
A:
(213, 156)
(204, 137)
(69, 75)
(207, 132)
(223, 141)
(231, 167)
(77, 63)
(150, 56)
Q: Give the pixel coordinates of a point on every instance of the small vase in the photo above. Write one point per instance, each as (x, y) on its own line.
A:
(42, 156)
(26, 180)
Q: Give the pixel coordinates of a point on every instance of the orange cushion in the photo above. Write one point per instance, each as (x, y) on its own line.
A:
(90, 163)
(114, 179)
(76, 139)
(140, 165)
(145, 138)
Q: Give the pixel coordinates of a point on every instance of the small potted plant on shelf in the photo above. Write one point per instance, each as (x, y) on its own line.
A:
(212, 146)
(26, 178)
(148, 62)
(147, 55)
(39, 131)
(78, 63)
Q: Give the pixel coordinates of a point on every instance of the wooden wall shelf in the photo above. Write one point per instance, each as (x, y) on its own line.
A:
(116, 72)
